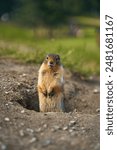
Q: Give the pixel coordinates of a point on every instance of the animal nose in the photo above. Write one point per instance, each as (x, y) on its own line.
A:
(51, 62)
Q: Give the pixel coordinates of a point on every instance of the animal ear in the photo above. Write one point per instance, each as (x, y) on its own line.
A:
(58, 57)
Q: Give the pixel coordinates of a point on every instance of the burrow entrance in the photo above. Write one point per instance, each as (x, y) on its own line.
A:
(76, 98)
(29, 97)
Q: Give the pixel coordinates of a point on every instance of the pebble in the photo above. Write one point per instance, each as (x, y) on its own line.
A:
(6, 92)
(39, 130)
(22, 124)
(21, 132)
(23, 75)
(82, 128)
(7, 105)
(56, 127)
(30, 130)
(18, 84)
(46, 142)
(22, 111)
(6, 119)
(33, 140)
(73, 128)
(95, 91)
(65, 128)
(11, 103)
(3, 147)
(72, 122)
(98, 110)
(70, 130)
(45, 125)
(28, 90)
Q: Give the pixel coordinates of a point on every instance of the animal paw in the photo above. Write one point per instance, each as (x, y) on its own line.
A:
(51, 94)
(45, 93)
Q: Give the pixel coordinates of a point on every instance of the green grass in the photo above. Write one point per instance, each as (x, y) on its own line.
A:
(79, 54)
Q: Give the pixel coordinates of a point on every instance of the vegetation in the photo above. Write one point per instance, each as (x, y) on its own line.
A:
(29, 29)
(78, 53)
(47, 12)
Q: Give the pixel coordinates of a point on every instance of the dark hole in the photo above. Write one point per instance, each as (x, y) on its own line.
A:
(29, 100)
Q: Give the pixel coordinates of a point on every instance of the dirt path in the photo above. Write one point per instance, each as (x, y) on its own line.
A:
(22, 127)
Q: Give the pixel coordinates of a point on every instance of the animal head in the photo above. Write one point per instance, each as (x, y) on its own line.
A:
(52, 60)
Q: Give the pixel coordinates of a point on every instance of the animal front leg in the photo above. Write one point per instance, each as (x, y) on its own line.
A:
(42, 89)
(51, 92)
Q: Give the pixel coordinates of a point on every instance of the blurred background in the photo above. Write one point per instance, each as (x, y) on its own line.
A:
(29, 29)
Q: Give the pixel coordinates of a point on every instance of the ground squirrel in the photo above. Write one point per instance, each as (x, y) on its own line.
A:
(50, 84)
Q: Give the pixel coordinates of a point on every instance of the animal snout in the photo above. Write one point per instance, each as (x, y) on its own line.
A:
(51, 63)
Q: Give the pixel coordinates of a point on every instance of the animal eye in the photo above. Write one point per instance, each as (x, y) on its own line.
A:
(47, 57)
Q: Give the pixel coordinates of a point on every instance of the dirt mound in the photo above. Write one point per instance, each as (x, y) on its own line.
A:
(22, 126)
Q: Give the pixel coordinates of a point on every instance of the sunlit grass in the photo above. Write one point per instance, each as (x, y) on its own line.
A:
(80, 54)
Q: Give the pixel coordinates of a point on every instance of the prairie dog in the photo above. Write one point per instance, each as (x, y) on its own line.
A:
(50, 84)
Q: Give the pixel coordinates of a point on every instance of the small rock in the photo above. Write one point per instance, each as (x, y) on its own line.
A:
(22, 111)
(56, 127)
(30, 130)
(22, 124)
(45, 125)
(23, 75)
(21, 132)
(98, 110)
(39, 130)
(82, 128)
(6, 119)
(18, 84)
(73, 128)
(11, 103)
(70, 130)
(95, 91)
(65, 128)
(72, 122)
(47, 142)
(6, 92)
(28, 90)
(75, 110)
(33, 140)
(53, 130)
(3, 147)
(7, 105)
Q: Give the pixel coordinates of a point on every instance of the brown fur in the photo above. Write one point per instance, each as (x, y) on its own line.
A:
(50, 84)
